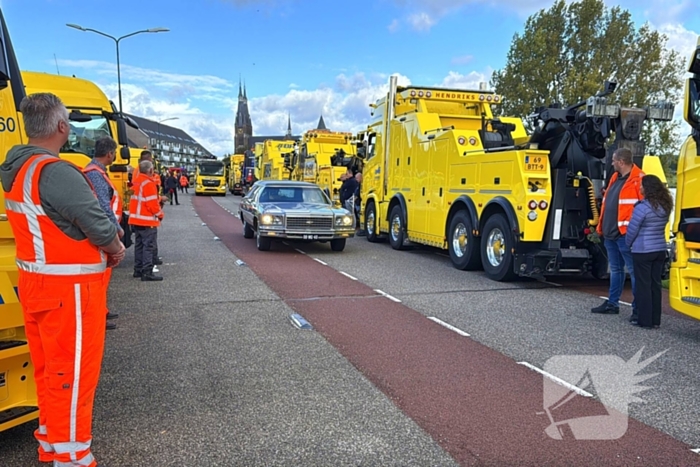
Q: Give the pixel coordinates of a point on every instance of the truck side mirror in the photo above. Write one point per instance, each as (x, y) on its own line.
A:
(692, 102)
(125, 154)
(122, 138)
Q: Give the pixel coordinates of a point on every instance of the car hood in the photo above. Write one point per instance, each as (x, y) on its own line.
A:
(302, 208)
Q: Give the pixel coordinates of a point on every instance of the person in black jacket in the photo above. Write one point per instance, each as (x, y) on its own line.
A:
(171, 184)
(348, 188)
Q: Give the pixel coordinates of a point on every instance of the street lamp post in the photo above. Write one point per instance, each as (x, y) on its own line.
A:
(160, 152)
(116, 41)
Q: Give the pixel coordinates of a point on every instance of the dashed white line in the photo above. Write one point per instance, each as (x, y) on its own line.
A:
(348, 275)
(621, 302)
(557, 380)
(448, 326)
(387, 296)
(300, 251)
(319, 261)
(696, 451)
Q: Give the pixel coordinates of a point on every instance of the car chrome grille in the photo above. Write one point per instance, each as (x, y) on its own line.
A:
(206, 182)
(315, 223)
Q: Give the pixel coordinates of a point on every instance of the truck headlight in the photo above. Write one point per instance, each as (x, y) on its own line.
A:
(269, 219)
(344, 221)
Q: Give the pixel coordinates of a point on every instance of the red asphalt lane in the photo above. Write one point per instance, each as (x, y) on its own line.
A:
(477, 404)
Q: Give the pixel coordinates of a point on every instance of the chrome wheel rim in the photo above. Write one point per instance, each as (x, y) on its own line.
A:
(395, 228)
(459, 240)
(370, 222)
(495, 247)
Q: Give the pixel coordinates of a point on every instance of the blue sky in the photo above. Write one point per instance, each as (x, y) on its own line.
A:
(302, 57)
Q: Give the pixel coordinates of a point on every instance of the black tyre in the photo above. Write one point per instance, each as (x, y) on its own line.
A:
(248, 232)
(397, 228)
(371, 222)
(263, 243)
(338, 244)
(496, 249)
(464, 248)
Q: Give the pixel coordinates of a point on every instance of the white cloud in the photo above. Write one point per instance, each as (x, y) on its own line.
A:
(679, 38)
(471, 80)
(394, 26)
(421, 21)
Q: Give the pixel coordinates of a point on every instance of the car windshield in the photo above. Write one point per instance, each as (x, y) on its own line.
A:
(211, 169)
(275, 194)
(83, 135)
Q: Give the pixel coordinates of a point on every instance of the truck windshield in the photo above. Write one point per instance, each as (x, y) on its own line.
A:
(211, 170)
(83, 135)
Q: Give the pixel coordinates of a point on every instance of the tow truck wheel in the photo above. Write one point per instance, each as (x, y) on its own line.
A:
(464, 247)
(396, 228)
(263, 243)
(338, 244)
(496, 245)
(371, 223)
(247, 231)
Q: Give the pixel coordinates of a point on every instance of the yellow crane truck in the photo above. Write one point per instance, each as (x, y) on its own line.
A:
(684, 284)
(442, 171)
(235, 174)
(271, 161)
(319, 157)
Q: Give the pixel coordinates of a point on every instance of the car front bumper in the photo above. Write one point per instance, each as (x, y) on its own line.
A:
(290, 234)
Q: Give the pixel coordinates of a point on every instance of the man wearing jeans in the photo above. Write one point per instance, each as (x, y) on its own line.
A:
(622, 194)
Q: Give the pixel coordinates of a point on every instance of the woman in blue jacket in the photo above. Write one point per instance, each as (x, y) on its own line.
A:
(646, 237)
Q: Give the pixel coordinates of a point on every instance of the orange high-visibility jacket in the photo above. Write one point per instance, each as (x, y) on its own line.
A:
(42, 247)
(184, 181)
(116, 201)
(629, 195)
(155, 178)
(144, 206)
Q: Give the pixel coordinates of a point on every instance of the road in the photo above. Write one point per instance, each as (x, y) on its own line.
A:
(205, 367)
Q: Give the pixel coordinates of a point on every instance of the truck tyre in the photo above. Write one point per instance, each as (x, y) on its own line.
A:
(248, 232)
(464, 248)
(496, 245)
(397, 228)
(371, 223)
(338, 244)
(263, 243)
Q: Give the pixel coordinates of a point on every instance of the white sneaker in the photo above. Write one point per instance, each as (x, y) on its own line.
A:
(155, 269)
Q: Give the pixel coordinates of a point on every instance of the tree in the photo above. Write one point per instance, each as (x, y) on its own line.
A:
(566, 53)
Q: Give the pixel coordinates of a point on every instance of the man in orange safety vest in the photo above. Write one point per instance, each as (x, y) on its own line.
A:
(64, 245)
(145, 214)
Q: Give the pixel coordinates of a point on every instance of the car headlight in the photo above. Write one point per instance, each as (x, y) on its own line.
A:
(269, 219)
(344, 221)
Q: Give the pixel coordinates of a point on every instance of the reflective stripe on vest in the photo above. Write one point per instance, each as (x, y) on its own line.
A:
(33, 211)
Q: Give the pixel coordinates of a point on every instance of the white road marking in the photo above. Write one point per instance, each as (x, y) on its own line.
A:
(448, 326)
(621, 302)
(319, 261)
(240, 262)
(300, 251)
(557, 380)
(696, 451)
(387, 296)
(348, 275)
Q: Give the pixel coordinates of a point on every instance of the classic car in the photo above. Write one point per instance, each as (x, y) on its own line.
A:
(290, 210)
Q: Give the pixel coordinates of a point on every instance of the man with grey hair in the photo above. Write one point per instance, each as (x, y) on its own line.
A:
(145, 214)
(64, 245)
(146, 155)
(106, 192)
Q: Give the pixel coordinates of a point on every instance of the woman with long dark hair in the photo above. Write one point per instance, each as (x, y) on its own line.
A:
(646, 237)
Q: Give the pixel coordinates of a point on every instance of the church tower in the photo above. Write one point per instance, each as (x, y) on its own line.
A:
(244, 125)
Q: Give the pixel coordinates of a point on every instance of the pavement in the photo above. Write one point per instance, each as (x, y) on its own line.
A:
(206, 369)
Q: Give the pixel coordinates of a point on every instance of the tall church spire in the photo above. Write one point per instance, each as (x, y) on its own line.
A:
(244, 93)
(321, 124)
(289, 127)
(240, 91)
(244, 124)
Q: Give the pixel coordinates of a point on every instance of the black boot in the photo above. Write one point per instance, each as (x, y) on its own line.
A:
(148, 276)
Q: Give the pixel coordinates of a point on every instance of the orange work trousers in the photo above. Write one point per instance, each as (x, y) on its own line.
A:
(65, 325)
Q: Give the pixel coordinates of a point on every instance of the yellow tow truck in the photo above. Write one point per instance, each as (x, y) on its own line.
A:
(235, 174)
(684, 284)
(210, 178)
(442, 171)
(271, 161)
(320, 157)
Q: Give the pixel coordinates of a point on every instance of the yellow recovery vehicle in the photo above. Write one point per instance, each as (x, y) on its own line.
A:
(92, 116)
(320, 158)
(210, 178)
(18, 400)
(271, 161)
(442, 171)
(684, 287)
(235, 174)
